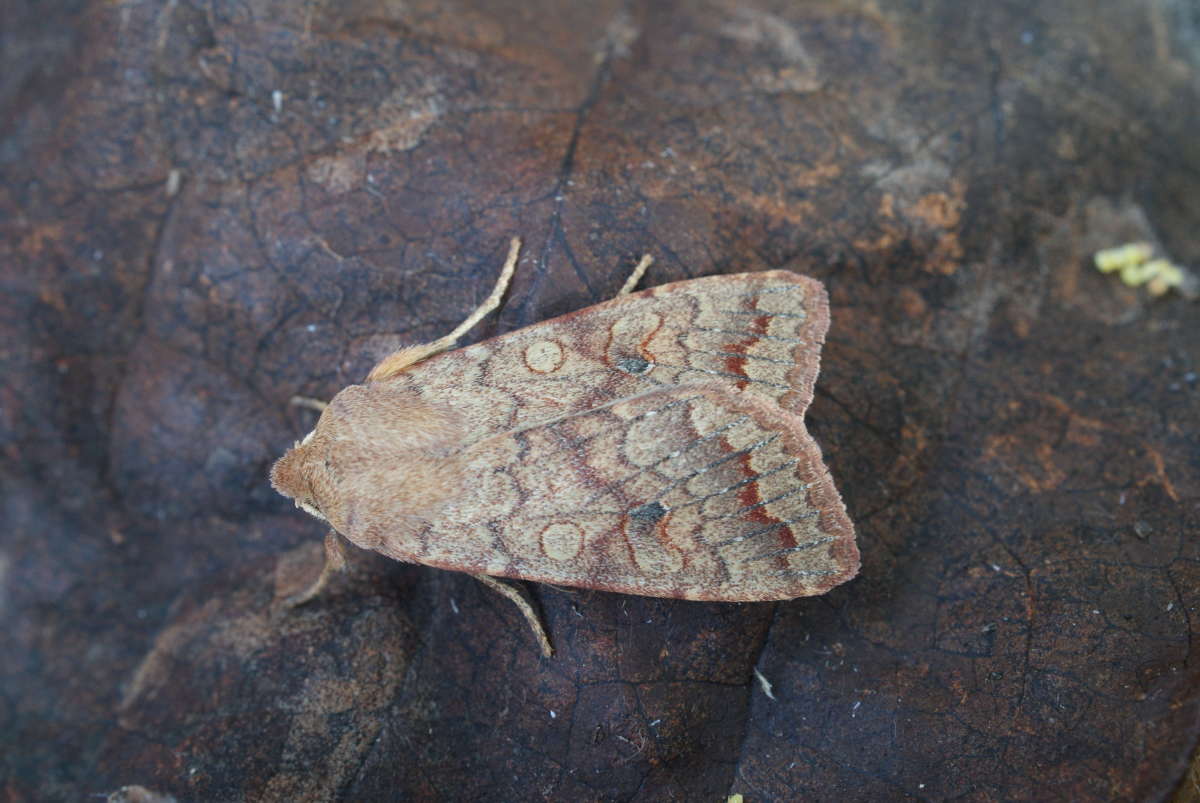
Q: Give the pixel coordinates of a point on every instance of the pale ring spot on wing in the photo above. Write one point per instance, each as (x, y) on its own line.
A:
(492, 487)
(544, 356)
(562, 540)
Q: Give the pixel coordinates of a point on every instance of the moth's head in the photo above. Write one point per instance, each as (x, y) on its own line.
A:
(378, 453)
(292, 476)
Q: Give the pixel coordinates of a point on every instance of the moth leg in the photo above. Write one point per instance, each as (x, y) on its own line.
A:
(335, 561)
(398, 360)
(526, 607)
(308, 402)
(639, 270)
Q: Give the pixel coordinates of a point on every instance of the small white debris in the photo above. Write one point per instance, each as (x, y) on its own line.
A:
(553, 715)
(174, 179)
(277, 100)
(764, 683)
(854, 708)
(454, 605)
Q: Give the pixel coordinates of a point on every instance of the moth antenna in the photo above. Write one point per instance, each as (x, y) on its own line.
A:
(308, 403)
(639, 271)
(492, 301)
(393, 364)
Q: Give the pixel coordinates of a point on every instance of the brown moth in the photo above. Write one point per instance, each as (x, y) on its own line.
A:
(653, 444)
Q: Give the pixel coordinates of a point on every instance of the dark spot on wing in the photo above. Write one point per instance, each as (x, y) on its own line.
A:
(650, 512)
(634, 365)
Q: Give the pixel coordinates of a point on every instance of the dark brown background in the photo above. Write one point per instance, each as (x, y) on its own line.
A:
(1014, 434)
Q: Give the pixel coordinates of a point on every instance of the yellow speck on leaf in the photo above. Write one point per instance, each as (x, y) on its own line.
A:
(1123, 256)
(1136, 268)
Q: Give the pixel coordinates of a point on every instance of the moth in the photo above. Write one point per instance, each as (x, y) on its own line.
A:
(653, 444)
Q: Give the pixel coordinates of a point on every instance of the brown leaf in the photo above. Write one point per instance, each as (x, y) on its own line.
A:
(207, 209)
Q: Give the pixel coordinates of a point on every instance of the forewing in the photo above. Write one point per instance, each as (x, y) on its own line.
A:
(757, 332)
(697, 492)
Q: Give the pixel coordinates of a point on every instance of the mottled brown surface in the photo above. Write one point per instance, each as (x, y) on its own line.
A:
(1015, 435)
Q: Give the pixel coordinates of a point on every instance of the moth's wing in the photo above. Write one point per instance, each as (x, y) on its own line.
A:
(584, 427)
(697, 492)
(757, 332)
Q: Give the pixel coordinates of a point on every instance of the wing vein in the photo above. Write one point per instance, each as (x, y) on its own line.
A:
(712, 372)
(804, 486)
(705, 469)
(797, 548)
(739, 484)
(687, 447)
(743, 356)
(737, 539)
(756, 312)
(805, 572)
(773, 288)
(747, 334)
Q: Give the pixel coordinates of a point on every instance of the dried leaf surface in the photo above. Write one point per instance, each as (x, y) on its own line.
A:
(209, 208)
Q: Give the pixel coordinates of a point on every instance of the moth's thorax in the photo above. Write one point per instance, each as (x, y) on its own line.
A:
(380, 461)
